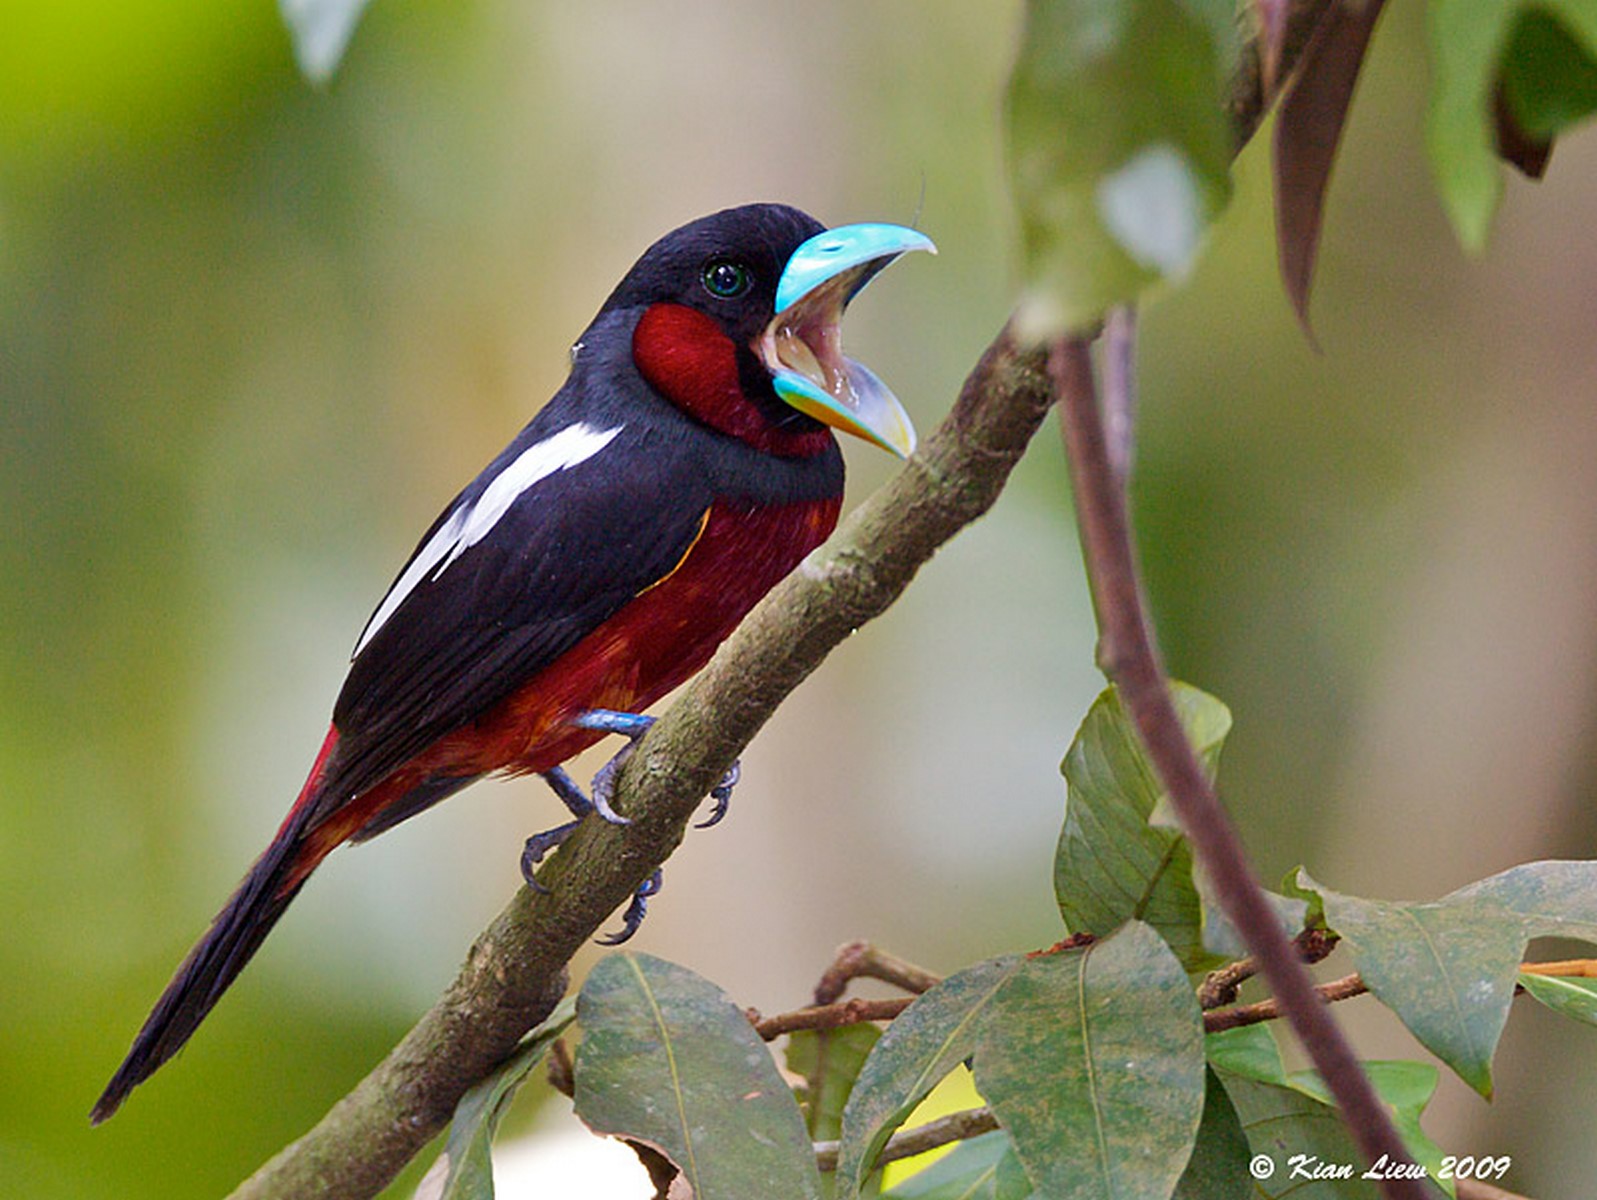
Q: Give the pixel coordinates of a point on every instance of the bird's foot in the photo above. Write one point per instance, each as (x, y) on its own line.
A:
(637, 909)
(633, 726)
(538, 845)
(721, 796)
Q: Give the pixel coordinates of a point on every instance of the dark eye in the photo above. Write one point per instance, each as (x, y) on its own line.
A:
(725, 279)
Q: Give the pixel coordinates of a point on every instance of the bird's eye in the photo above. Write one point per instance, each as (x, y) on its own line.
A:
(725, 279)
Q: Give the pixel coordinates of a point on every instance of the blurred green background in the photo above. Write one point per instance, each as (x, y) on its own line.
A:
(253, 335)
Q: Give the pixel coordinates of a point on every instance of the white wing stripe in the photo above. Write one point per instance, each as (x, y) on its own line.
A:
(472, 522)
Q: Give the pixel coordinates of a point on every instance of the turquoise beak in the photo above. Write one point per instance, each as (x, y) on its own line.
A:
(802, 346)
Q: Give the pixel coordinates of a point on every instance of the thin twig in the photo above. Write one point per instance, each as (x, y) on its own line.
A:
(955, 1127)
(829, 1016)
(1576, 968)
(1128, 655)
(1120, 389)
(1221, 986)
(861, 960)
(1215, 1018)
(1268, 1010)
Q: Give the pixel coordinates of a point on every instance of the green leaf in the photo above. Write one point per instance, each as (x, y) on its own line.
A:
(1112, 865)
(1118, 150)
(1572, 997)
(1218, 1168)
(1556, 898)
(830, 1061)
(1282, 1123)
(666, 1058)
(1446, 968)
(466, 1159)
(1406, 1087)
(1092, 1060)
(926, 1041)
(1220, 937)
(1289, 1118)
(321, 30)
(1473, 44)
(1314, 907)
(1249, 1051)
(983, 1168)
(1549, 79)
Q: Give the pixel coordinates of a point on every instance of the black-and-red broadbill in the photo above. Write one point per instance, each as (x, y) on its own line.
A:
(685, 466)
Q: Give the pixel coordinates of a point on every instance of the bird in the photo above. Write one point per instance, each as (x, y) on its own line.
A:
(686, 465)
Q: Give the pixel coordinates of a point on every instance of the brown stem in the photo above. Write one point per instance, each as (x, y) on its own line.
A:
(562, 1070)
(1576, 968)
(1268, 1010)
(1127, 653)
(861, 960)
(1222, 985)
(829, 1016)
(1120, 389)
(954, 1127)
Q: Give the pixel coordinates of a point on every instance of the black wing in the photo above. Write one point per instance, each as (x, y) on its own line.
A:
(466, 633)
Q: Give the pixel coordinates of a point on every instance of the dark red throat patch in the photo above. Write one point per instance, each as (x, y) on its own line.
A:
(689, 360)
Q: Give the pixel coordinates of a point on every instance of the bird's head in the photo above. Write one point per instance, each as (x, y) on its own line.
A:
(739, 326)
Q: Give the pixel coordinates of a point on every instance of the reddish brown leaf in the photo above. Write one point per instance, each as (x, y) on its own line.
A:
(1307, 131)
(1515, 143)
(1272, 37)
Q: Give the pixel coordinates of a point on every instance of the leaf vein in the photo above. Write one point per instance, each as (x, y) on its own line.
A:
(691, 1165)
(1092, 1074)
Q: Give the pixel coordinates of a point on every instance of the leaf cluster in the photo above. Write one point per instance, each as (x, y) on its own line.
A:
(1092, 1055)
(1119, 153)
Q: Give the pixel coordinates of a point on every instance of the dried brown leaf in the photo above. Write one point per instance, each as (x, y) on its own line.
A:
(1515, 143)
(1307, 131)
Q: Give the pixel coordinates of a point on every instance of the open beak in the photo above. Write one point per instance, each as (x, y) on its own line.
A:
(802, 347)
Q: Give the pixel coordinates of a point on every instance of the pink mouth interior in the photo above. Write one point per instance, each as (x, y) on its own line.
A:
(808, 338)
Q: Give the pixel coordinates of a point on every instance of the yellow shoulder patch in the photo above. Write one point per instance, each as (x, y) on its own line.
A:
(703, 521)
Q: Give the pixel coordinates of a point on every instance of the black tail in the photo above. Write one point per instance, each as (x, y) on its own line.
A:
(213, 964)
